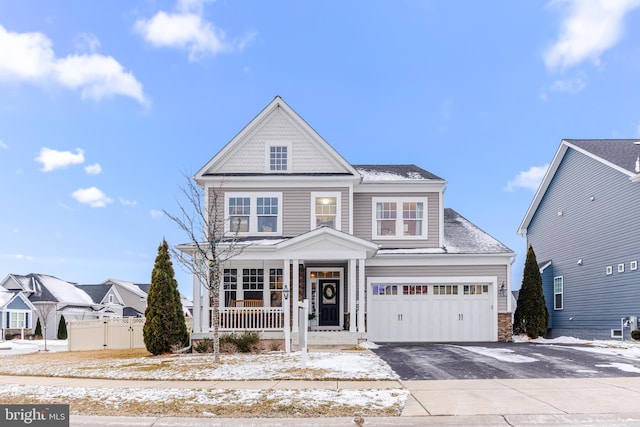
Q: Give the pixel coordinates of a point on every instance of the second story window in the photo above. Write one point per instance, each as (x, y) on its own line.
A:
(325, 210)
(254, 213)
(267, 211)
(399, 218)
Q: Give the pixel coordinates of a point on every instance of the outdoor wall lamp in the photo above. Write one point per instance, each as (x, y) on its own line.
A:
(285, 292)
(503, 290)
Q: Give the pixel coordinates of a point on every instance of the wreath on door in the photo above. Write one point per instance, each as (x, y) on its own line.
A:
(329, 291)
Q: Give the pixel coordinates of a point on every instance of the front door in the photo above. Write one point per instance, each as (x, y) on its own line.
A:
(329, 300)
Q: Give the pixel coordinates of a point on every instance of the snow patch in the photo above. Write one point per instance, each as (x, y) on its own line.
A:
(502, 354)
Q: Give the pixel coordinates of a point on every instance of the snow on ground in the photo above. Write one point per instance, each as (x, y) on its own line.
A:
(353, 365)
(31, 346)
(347, 365)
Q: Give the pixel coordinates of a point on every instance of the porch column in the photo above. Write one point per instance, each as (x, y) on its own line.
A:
(206, 313)
(197, 304)
(287, 307)
(361, 299)
(295, 292)
(352, 295)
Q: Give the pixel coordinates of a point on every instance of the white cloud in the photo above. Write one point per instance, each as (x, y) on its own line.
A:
(94, 169)
(91, 196)
(125, 202)
(529, 179)
(53, 159)
(29, 57)
(87, 42)
(187, 29)
(155, 213)
(570, 86)
(3, 144)
(590, 28)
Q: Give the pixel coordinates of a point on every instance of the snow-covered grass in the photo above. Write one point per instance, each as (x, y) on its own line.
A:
(14, 347)
(172, 399)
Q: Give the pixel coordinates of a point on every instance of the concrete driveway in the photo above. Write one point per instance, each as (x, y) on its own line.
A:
(448, 361)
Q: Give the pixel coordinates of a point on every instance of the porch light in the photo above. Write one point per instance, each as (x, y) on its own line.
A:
(285, 292)
(503, 290)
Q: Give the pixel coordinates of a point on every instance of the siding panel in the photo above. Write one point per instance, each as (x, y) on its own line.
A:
(590, 212)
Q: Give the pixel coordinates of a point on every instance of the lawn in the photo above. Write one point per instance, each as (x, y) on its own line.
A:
(161, 398)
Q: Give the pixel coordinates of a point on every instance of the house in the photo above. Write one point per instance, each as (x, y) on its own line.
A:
(52, 298)
(583, 226)
(16, 314)
(371, 247)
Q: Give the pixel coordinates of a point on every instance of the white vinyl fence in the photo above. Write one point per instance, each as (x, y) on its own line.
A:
(108, 333)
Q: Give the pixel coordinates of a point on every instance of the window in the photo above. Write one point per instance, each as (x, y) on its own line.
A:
(445, 289)
(620, 268)
(253, 283)
(230, 285)
(609, 270)
(475, 289)
(325, 210)
(254, 213)
(558, 288)
(278, 156)
(239, 214)
(267, 212)
(18, 320)
(385, 289)
(276, 281)
(415, 289)
(633, 265)
(110, 298)
(399, 218)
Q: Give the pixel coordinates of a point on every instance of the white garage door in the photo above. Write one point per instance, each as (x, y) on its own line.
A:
(430, 312)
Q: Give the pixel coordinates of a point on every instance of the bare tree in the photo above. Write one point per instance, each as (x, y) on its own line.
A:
(44, 309)
(211, 244)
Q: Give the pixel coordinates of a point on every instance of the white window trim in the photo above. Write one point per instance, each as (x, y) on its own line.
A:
(253, 215)
(609, 270)
(399, 220)
(24, 316)
(267, 155)
(558, 293)
(620, 268)
(633, 265)
(338, 197)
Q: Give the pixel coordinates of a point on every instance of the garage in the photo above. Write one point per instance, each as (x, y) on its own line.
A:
(436, 312)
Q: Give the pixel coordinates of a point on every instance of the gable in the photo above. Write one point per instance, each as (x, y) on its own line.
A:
(248, 153)
(619, 155)
(18, 304)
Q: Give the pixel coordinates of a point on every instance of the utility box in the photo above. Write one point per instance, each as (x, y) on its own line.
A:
(633, 322)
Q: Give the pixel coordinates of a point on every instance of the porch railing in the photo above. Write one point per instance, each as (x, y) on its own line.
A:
(250, 319)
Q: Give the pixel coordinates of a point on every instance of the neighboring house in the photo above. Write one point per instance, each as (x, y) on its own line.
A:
(52, 298)
(133, 296)
(583, 226)
(372, 247)
(16, 314)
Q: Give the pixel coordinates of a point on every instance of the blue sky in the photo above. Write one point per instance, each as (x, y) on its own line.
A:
(106, 106)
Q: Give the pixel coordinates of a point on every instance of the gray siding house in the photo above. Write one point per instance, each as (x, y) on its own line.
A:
(371, 247)
(584, 228)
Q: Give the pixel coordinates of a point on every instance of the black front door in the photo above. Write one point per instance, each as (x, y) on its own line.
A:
(329, 300)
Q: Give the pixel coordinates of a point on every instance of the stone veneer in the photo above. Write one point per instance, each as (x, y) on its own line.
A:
(505, 327)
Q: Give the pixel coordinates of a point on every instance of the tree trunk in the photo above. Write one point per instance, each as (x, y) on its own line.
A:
(214, 292)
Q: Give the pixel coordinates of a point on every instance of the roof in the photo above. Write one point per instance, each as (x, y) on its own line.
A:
(96, 292)
(49, 288)
(622, 155)
(460, 237)
(130, 286)
(619, 152)
(131, 312)
(394, 172)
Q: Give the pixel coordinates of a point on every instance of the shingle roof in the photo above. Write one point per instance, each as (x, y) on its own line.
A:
(409, 172)
(96, 292)
(461, 236)
(620, 152)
